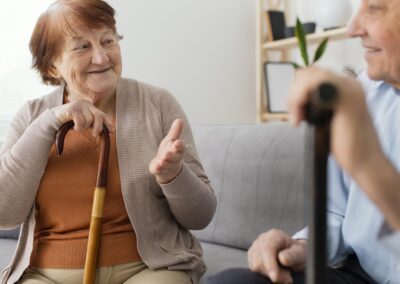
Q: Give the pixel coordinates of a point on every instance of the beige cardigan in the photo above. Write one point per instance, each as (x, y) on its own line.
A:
(160, 214)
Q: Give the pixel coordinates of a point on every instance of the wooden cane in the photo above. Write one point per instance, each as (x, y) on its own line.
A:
(93, 245)
(318, 112)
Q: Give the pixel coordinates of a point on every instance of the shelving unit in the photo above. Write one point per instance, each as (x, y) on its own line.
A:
(282, 47)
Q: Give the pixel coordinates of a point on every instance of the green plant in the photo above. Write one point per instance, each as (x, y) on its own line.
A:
(302, 43)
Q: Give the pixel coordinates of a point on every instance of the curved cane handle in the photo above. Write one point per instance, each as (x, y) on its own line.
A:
(104, 150)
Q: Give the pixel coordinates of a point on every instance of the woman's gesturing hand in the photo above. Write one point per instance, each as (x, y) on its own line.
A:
(84, 114)
(167, 164)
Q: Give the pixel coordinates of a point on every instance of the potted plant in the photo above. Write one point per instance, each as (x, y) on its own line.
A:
(302, 43)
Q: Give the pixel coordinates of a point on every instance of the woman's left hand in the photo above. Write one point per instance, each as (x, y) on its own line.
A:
(167, 164)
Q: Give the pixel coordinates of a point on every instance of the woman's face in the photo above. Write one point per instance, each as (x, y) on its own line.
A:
(91, 63)
(378, 24)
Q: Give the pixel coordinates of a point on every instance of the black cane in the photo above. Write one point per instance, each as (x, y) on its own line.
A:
(318, 112)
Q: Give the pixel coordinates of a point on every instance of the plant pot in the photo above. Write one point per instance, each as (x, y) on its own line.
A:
(332, 14)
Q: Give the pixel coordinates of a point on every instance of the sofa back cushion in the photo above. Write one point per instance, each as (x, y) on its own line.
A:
(257, 172)
(9, 234)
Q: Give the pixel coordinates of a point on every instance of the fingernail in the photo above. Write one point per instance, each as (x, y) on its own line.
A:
(273, 275)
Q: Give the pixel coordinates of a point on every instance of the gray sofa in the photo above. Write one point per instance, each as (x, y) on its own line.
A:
(257, 172)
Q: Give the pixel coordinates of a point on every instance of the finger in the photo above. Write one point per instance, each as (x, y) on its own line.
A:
(109, 124)
(306, 83)
(97, 124)
(88, 115)
(284, 276)
(173, 155)
(79, 121)
(179, 146)
(298, 96)
(293, 257)
(175, 130)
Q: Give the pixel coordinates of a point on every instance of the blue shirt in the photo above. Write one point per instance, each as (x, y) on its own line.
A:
(355, 224)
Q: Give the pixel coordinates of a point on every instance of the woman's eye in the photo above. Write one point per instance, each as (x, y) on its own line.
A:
(109, 42)
(374, 8)
(81, 47)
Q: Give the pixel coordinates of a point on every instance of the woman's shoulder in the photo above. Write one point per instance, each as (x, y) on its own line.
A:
(34, 107)
(50, 100)
(144, 90)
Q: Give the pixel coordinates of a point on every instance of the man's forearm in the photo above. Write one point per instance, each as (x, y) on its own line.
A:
(381, 181)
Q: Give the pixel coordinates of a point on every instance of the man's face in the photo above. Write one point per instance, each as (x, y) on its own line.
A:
(377, 23)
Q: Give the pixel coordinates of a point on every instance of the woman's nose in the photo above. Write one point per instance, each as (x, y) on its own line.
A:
(99, 55)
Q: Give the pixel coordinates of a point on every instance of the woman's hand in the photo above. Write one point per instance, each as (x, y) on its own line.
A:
(354, 142)
(167, 164)
(85, 115)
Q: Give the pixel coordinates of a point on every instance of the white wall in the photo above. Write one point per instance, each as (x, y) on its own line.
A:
(203, 51)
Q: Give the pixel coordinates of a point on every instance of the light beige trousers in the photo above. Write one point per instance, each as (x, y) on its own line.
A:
(129, 273)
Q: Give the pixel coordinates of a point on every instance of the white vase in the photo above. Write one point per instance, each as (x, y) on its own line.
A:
(331, 14)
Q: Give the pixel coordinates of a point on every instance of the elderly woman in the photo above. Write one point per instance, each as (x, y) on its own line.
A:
(364, 205)
(157, 189)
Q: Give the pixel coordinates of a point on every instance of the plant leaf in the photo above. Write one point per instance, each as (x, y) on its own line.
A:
(320, 50)
(295, 65)
(301, 41)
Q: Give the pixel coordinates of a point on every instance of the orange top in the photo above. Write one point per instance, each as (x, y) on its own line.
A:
(64, 203)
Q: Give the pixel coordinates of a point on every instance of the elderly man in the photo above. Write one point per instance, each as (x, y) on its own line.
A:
(364, 179)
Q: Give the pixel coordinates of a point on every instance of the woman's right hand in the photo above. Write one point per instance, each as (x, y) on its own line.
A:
(85, 115)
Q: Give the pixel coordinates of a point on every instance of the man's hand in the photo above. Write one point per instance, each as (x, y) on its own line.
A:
(275, 254)
(167, 164)
(354, 142)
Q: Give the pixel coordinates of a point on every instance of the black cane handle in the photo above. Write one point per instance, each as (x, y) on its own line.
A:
(320, 107)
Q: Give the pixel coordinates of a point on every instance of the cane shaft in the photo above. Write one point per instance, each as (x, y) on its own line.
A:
(317, 261)
(94, 236)
(319, 112)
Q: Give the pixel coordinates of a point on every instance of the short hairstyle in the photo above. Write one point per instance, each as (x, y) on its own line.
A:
(48, 37)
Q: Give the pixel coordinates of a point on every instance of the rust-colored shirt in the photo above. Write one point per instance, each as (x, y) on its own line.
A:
(63, 208)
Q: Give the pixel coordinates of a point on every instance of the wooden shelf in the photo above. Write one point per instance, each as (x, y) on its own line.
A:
(274, 116)
(279, 50)
(284, 44)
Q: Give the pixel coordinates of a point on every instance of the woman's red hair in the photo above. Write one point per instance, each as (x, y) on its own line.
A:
(54, 25)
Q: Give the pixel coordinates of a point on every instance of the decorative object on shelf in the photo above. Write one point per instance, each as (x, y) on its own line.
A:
(276, 24)
(302, 43)
(308, 28)
(331, 14)
(278, 78)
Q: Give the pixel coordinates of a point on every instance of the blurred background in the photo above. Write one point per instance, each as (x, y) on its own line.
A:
(202, 51)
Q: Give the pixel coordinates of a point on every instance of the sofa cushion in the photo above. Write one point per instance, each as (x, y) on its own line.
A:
(10, 234)
(257, 172)
(218, 258)
(7, 248)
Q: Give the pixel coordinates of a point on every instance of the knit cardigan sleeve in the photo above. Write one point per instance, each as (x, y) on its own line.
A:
(190, 195)
(23, 158)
